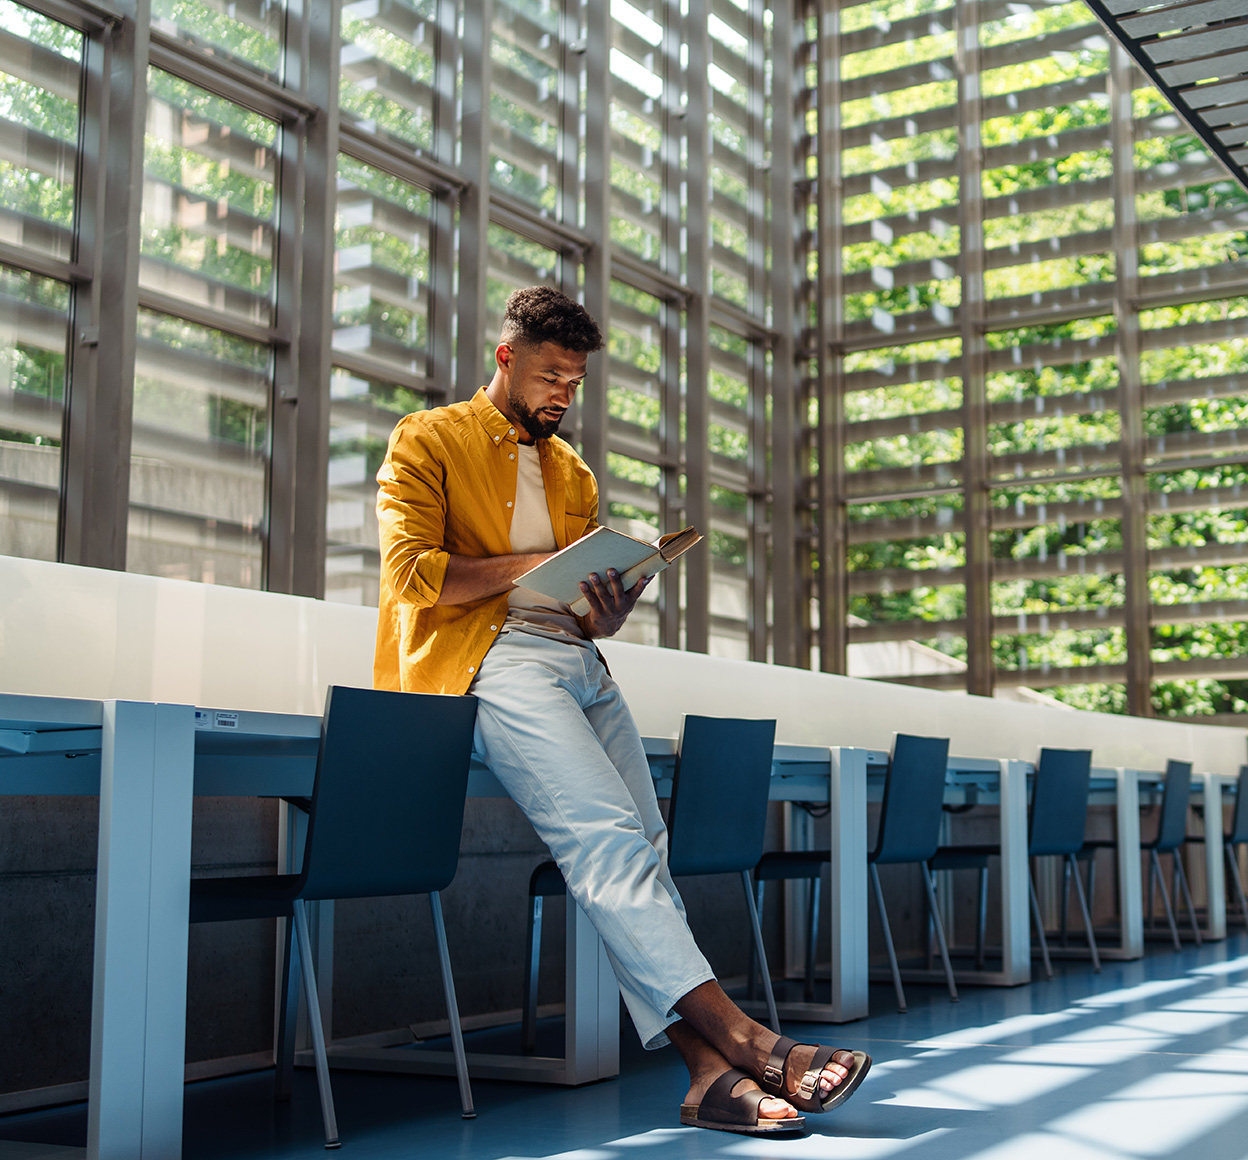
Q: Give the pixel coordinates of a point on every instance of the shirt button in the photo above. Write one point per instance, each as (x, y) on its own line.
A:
(471, 669)
(511, 430)
(512, 455)
(497, 438)
(493, 627)
(509, 503)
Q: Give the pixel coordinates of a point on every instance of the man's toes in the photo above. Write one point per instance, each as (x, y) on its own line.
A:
(776, 1109)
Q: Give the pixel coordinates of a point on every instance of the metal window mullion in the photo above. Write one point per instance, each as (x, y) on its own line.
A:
(568, 194)
(788, 617)
(832, 581)
(1130, 390)
(596, 135)
(474, 210)
(317, 26)
(230, 80)
(697, 318)
(440, 361)
(977, 506)
(99, 414)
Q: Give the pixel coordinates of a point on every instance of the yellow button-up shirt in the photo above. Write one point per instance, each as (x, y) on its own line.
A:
(448, 487)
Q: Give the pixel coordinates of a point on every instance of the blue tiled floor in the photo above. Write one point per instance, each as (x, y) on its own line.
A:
(1148, 1060)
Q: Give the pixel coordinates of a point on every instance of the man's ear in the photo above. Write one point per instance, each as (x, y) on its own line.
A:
(505, 356)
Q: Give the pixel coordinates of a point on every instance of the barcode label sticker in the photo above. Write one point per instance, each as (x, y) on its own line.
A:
(225, 720)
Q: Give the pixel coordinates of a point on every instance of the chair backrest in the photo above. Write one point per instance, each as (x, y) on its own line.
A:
(1172, 825)
(914, 791)
(388, 806)
(718, 810)
(1059, 801)
(1239, 816)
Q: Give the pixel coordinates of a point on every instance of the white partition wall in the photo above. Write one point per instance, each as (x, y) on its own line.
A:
(85, 632)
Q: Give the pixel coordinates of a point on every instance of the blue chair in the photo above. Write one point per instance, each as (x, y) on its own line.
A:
(910, 822)
(716, 821)
(909, 831)
(1056, 822)
(384, 819)
(1236, 836)
(1171, 834)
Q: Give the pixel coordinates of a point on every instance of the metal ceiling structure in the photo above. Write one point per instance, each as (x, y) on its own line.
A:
(1196, 52)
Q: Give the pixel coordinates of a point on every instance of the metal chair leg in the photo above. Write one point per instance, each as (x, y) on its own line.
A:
(1181, 874)
(981, 922)
(532, 956)
(762, 953)
(751, 986)
(1039, 921)
(1233, 865)
(452, 1007)
(1087, 915)
(940, 932)
(315, 1026)
(1065, 899)
(1155, 872)
(888, 937)
(287, 1015)
(812, 937)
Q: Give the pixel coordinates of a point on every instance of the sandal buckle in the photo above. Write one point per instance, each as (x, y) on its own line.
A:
(807, 1086)
(773, 1076)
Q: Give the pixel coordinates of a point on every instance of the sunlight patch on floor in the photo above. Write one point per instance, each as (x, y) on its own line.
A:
(991, 1085)
(992, 1033)
(1047, 1146)
(820, 1147)
(1137, 994)
(1160, 1115)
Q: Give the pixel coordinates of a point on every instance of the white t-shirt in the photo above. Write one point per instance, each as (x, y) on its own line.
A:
(531, 531)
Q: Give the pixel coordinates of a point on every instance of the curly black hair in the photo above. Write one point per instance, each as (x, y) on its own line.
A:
(538, 314)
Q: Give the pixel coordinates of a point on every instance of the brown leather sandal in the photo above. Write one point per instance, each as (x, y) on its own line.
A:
(806, 1097)
(723, 1111)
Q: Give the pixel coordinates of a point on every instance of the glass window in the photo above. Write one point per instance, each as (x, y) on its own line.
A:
(526, 52)
(381, 325)
(250, 31)
(200, 452)
(209, 202)
(639, 95)
(387, 73)
(39, 124)
(33, 338)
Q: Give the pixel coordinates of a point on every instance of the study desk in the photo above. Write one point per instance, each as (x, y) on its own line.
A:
(146, 761)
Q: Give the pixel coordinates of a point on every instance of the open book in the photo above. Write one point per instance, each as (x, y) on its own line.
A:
(560, 575)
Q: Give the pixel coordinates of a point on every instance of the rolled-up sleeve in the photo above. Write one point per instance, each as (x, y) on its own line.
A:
(411, 515)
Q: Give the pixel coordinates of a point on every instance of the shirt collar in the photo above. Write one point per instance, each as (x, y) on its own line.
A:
(497, 426)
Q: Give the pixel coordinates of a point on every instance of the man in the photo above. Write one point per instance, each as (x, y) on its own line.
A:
(471, 496)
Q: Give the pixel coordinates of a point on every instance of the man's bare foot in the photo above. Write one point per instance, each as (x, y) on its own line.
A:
(808, 1075)
(834, 1073)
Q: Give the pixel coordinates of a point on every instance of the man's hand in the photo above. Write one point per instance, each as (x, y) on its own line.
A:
(609, 603)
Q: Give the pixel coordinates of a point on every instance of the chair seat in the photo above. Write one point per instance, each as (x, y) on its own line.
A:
(547, 881)
(962, 857)
(231, 899)
(779, 865)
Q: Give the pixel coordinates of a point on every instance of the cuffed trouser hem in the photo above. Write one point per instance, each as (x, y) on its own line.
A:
(654, 1035)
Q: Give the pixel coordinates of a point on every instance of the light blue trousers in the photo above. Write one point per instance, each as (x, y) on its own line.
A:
(554, 728)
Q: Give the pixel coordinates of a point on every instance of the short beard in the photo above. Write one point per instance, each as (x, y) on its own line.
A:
(537, 428)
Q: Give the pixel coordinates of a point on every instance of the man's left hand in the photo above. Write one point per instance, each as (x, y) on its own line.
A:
(609, 603)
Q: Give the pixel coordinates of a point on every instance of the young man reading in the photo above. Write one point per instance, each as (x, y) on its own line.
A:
(472, 495)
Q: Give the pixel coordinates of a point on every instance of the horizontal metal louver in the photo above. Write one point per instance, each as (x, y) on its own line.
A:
(1196, 51)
